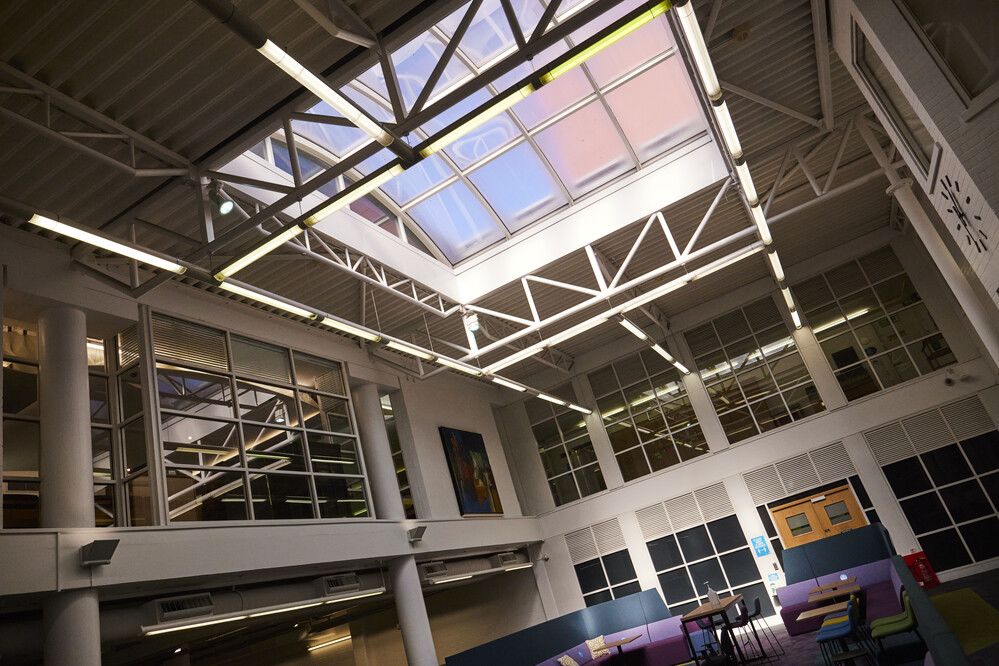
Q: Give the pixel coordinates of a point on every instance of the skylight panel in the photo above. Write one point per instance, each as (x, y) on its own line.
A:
(585, 149)
(656, 109)
(623, 56)
(489, 33)
(376, 161)
(480, 142)
(456, 221)
(417, 179)
(337, 139)
(518, 186)
(416, 60)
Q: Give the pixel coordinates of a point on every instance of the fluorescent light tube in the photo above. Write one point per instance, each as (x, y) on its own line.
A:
(840, 320)
(105, 243)
(286, 609)
(518, 567)
(572, 332)
(761, 224)
(349, 329)
(353, 597)
(698, 49)
(267, 300)
(788, 300)
(360, 189)
(727, 129)
(268, 246)
(451, 579)
(681, 367)
(746, 183)
(601, 44)
(323, 91)
(508, 384)
(775, 265)
(192, 625)
(460, 367)
(551, 398)
(579, 408)
(328, 643)
(499, 105)
(662, 352)
(412, 351)
(796, 318)
(635, 330)
(516, 357)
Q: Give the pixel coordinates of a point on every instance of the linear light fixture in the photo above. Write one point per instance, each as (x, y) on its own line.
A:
(451, 579)
(161, 629)
(659, 349)
(267, 300)
(518, 567)
(788, 299)
(268, 246)
(698, 49)
(761, 224)
(796, 318)
(727, 128)
(840, 320)
(552, 399)
(634, 329)
(286, 609)
(411, 351)
(357, 190)
(746, 182)
(508, 384)
(320, 646)
(202, 449)
(323, 91)
(499, 105)
(599, 45)
(775, 265)
(354, 597)
(105, 243)
(460, 367)
(578, 408)
(350, 329)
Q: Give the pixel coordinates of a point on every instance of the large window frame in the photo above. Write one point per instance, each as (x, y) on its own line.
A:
(614, 585)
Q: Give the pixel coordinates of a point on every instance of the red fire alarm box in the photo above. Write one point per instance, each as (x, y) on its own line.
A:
(921, 569)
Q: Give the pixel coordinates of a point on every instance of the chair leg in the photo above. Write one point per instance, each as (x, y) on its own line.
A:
(776, 641)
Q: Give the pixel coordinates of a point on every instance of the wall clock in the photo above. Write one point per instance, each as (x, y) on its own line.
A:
(967, 224)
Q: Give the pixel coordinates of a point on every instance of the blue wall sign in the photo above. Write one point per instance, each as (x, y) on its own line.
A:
(761, 546)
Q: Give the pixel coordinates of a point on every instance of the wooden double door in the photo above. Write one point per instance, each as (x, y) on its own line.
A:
(818, 516)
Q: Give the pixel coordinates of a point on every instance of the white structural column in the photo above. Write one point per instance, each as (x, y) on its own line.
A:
(609, 468)
(818, 368)
(377, 453)
(71, 619)
(417, 639)
(700, 401)
(752, 527)
(639, 552)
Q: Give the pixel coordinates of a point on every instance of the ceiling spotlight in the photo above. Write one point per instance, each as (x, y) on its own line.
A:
(222, 202)
(472, 321)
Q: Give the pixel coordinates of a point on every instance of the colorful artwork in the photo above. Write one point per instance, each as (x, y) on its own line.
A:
(474, 485)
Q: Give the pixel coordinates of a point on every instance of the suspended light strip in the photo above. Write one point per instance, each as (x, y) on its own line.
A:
(411, 351)
(508, 384)
(788, 299)
(552, 399)
(354, 597)
(579, 408)
(323, 91)
(762, 227)
(450, 579)
(604, 42)
(160, 629)
(840, 320)
(698, 49)
(796, 318)
(97, 240)
(320, 646)
(727, 128)
(635, 330)
(286, 609)
(518, 567)
(350, 329)
(746, 183)
(460, 367)
(775, 265)
(659, 349)
(500, 105)
(359, 189)
(267, 300)
(271, 244)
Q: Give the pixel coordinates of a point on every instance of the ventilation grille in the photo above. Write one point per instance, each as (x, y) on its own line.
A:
(128, 346)
(189, 343)
(331, 381)
(801, 472)
(341, 583)
(683, 512)
(653, 521)
(581, 545)
(179, 608)
(608, 536)
(929, 430)
(680, 513)
(714, 502)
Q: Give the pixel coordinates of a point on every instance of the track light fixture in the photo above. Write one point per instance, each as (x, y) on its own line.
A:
(223, 203)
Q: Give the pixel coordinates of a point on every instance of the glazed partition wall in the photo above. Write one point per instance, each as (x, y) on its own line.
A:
(872, 324)
(252, 431)
(753, 371)
(567, 454)
(647, 414)
(602, 563)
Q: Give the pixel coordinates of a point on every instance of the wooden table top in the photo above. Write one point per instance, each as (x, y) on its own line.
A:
(709, 609)
(834, 593)
(822, 611)
(829, 586)
(622, 641)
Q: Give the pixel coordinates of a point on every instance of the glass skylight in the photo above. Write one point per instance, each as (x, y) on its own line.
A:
(624, 107)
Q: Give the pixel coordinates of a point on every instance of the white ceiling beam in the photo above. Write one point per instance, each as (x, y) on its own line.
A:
(332, 28)
(824, 69)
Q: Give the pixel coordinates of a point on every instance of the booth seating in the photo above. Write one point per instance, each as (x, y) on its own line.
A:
(660, 643)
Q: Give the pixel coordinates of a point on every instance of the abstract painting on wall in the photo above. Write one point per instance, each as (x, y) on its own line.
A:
(474, 485)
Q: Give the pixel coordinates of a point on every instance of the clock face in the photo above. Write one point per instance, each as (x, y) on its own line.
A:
(966, 224)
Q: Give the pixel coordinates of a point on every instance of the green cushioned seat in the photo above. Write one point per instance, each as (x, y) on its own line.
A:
(892, 629)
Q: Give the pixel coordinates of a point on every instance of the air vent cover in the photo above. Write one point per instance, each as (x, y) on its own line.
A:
(180, 608)
(503, 560)
(433, 569)
(338, 583)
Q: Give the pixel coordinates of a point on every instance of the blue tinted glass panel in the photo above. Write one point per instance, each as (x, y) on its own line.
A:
(417, 179)
(416, 60)
(376, 161)
(456, 221)
(518, 186)
(335, 138)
